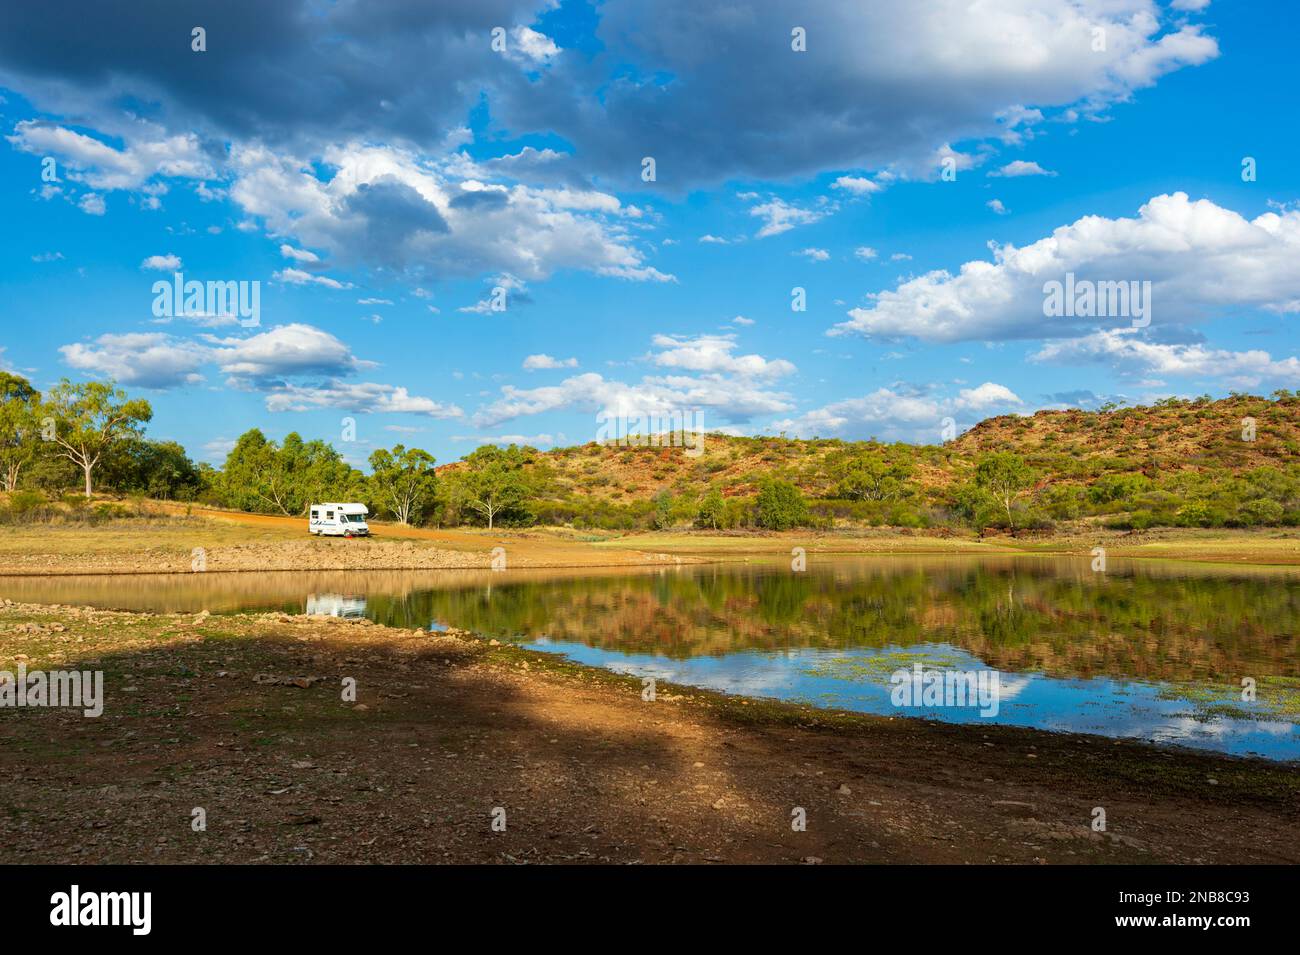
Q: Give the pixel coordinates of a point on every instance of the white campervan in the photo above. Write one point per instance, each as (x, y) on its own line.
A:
(339, 520)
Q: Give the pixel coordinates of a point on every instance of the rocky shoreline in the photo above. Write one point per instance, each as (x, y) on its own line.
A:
(246, 716)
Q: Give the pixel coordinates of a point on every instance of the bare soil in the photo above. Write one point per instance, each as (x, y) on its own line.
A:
(243, 717)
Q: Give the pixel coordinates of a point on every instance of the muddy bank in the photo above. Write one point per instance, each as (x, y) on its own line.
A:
(244, 717)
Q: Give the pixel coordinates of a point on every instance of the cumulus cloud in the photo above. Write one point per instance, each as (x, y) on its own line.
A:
(1020, 167)
(1198, 256)
(360, 397)
(897, 413)
(546, 363)
(651, 396)
(144, 359)
(535, 47)
(162, 263)
(298, 367)
(101, 166)
(385, 206)
(1133, 354)
(705, 376)
(713, 354)
(284, 351)
(857, 185)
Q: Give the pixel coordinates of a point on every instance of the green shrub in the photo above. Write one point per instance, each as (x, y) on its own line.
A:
(780, 506)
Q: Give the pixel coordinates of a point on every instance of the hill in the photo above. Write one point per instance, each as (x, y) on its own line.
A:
(1154, 460)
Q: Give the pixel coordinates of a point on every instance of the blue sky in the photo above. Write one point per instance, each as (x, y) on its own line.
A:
(380, 169)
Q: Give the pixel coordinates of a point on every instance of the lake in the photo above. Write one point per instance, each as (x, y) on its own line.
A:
(1195, 655)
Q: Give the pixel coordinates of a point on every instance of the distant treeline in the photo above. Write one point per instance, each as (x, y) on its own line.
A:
(57, 449)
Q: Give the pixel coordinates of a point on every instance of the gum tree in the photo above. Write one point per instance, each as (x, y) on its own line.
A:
(404, 478)
(19, 427)
(89, 418)
(494, 481)
(1005, 476)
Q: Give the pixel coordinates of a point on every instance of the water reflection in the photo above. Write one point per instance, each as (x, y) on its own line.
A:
(1156, 651)
(347, 606)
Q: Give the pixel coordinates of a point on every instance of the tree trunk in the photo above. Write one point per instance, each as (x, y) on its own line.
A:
(86, 468)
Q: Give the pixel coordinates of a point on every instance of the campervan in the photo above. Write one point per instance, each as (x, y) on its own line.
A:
(339, 520)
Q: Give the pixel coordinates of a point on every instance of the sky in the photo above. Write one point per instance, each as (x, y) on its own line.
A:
(498, 220)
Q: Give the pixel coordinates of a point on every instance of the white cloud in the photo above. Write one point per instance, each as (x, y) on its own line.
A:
(285, 350)
(266, 362)
(162, 263)
(92, 204)
(896, 413)
(1197, 255)
(1133, 354)
(857, 185)
(712, 354)
(299, 255)
(730, 386)
(386, 206)
(546, 363)
(1020, 168)
(779, 216)
(143, 359)
(814, 255)
(299, 277)
(997, 206)
(986, 395)
(359, 397)
(865, 252)
(101, 166)
(537, 47)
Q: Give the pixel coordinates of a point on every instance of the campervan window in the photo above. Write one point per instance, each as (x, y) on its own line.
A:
(329, 515)
(315, 514)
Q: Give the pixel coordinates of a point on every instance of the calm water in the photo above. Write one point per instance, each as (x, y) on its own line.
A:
(1154, 652)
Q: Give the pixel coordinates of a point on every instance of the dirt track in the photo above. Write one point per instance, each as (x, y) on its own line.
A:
(238, 541)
